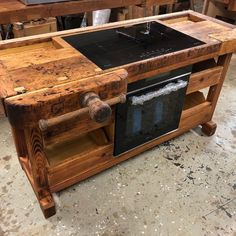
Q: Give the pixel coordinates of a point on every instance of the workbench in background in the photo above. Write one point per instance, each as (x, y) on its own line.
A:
(14, 10)
(221, 9)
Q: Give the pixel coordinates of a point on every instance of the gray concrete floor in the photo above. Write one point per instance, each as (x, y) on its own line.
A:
(184, 187)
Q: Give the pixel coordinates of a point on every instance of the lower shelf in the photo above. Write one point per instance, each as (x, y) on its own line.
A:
(78, 146)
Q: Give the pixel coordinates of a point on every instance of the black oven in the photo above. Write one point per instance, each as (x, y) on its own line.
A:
(153, 108)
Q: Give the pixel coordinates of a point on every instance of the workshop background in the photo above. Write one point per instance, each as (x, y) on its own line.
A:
(186, 186)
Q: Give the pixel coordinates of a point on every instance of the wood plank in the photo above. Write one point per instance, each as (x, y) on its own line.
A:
(215, 90)
(192, 100)
(20, 143)
(201, 30)
(170, 67)
(203, 79)
(36, 171)
(31, 47)
(159, 2)
(52, 73)
(59, 153)
(165, 62)
(228, 39)
(35, 68)
(69, 130)
(13, 10)
(47, 37)
(208, 18)
(37, 56)
(44, 26)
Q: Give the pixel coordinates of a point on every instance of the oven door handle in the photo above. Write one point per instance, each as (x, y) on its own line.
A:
(167, 89)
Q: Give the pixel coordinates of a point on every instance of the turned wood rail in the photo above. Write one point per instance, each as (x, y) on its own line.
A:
(98, 110)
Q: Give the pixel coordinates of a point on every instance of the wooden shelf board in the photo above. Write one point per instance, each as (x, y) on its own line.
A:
(14, 10)
(193, 99)
(75, 147)
(203, 79)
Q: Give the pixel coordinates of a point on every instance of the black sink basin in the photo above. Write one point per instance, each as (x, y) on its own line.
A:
(120, 46)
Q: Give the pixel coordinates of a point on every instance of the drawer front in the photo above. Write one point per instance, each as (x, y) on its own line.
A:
(203, 79)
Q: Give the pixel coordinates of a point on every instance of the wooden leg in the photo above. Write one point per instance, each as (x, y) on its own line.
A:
(209, 128)
(215, 90)
(37, 172)
(47, 205)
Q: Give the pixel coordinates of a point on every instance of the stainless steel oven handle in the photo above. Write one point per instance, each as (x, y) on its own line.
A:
(167, 89)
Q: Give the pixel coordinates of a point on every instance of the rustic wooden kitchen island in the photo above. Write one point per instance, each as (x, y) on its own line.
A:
(58, 101)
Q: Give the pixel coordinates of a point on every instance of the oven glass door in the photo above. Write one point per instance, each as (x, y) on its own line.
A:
(149, 113)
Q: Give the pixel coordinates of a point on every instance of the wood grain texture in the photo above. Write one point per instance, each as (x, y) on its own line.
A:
(203, 79)
(43, 69)
(59, 133)
(215, 90)
(158, 2)
(227, 39)
(14, 10)
(61, 99)
(209, 128)
(20, 142)
(75, 116)
(99, 111)
(37, 172)
(179, 59)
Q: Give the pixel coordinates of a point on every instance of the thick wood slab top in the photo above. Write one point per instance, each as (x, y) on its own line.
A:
(45, 61)
(37, 68)
(63, 98)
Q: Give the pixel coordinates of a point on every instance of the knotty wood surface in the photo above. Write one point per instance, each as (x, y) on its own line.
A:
(43, 65)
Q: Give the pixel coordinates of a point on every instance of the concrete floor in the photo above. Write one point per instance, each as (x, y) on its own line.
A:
(184, 187)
